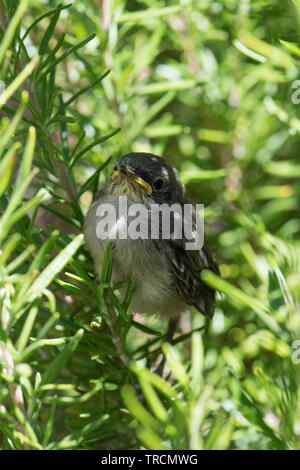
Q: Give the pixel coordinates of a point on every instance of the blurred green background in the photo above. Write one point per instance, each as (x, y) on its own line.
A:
(212, 87)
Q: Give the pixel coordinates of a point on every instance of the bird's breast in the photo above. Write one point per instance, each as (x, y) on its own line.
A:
(134, 258)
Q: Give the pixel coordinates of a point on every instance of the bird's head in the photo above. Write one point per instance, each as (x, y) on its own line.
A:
(147, 177)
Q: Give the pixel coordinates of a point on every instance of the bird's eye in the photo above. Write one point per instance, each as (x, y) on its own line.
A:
(158, 184)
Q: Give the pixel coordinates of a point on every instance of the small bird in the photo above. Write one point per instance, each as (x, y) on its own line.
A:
(166, 276)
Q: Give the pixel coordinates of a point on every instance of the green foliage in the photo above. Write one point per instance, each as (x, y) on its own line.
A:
(209, 86)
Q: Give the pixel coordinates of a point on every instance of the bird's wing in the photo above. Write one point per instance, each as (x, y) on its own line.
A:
(187, 266)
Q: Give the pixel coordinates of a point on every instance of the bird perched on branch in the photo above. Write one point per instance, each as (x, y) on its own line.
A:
(166, 275)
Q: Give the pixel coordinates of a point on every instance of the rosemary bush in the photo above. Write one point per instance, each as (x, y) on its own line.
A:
(211, 87)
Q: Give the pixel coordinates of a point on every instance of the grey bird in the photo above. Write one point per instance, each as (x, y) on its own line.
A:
(167, 276)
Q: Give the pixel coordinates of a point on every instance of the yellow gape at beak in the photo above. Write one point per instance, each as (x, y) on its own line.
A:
(114, 175)
(137, 179)
(143, 183)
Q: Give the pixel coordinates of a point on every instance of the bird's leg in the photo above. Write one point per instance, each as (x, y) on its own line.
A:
(172, 325)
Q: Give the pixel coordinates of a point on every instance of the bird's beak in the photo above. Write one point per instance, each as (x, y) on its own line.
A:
(136, 179)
